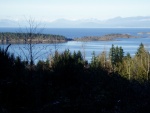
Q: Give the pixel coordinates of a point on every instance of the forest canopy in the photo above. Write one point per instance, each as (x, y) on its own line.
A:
(68, 83)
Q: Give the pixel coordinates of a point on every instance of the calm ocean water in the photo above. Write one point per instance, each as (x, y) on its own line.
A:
(80, 32)
(129, 45)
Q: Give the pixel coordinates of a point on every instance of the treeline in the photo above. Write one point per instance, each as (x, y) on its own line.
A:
(131, 68)
(7, 37)
(66, 83)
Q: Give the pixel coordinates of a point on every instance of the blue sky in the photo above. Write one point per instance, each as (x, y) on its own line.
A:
(73, 9)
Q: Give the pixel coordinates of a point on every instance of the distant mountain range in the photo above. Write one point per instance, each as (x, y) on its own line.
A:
(118, 22)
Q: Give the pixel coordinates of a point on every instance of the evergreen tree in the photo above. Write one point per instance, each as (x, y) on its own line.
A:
(94, 61)
(140, 50)
(112, 55)
(121, 54)
(116, 56)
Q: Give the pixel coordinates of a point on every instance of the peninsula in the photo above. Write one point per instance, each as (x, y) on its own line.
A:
(108, 37)
(23, 38)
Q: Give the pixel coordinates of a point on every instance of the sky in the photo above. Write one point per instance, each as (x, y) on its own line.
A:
(49, 10)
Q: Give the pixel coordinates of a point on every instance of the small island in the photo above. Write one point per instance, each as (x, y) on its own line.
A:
(108, 37)
(23, 38)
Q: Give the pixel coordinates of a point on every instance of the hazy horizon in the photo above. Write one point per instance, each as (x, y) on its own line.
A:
(49, 10)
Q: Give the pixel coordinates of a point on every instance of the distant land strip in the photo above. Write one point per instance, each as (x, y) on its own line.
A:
(108, 37)
(26, 38)
(23, 38)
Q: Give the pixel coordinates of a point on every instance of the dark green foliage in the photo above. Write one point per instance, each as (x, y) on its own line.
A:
(67, 84)
(116, 54)
(67, 67)
(112, 55)
(7, 37)
(94, 61)
(9, 64)
(41, 65)
(67, 62)
(141, 50)
(128, 56)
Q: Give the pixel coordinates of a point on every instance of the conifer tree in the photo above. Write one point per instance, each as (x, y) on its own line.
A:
(112, 56)
(94, 61)
(116, 56)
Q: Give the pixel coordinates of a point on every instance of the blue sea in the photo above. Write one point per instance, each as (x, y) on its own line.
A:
(81, 32)
(45, 50)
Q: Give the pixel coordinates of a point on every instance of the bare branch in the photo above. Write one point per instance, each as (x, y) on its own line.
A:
(7, 48)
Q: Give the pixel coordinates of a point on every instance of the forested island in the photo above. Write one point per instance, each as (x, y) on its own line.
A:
(23, 38)
(108, 37)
